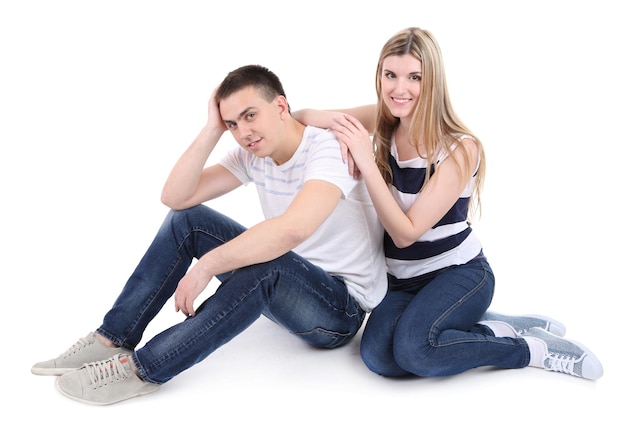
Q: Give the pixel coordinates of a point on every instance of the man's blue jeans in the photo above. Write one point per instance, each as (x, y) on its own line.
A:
(289, 290)
(427, 326)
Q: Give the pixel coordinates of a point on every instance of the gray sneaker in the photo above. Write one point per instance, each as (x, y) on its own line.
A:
(521, 324)
(87, 349)
(566, 356)
(104, 382)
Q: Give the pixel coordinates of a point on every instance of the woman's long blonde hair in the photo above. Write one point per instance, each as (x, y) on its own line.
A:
(434, 122)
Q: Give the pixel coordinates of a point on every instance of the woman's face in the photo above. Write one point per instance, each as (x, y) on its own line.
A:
(401, 83)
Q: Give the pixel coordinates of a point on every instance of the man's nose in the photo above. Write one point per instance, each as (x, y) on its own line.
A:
(243, 131)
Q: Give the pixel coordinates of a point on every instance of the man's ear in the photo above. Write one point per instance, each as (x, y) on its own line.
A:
(283, 106)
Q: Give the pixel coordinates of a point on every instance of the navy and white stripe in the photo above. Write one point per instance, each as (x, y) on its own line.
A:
(450, 241)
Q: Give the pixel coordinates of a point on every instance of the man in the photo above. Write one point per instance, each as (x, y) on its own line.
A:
(314, 265)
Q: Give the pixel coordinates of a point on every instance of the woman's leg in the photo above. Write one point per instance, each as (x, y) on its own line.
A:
(378, 334)
(437, 334)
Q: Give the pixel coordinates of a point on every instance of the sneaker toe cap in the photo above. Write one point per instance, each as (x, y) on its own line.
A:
(592, 368)
(69, 384)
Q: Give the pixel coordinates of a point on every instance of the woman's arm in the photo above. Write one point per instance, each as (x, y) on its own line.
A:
(366, 114)
(434, 201)
(439, 194)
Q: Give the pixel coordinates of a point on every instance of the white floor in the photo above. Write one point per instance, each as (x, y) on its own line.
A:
(267, 379)
(99, 100)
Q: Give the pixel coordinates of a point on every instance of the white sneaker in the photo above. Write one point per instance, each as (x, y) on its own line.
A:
(562, 355)
(87, 349)
(521, 324)
(104, 382)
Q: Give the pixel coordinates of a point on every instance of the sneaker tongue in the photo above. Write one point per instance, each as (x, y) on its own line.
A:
(125, 361)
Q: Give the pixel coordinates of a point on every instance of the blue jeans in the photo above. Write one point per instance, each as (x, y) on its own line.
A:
(427, 326)
(289, 290)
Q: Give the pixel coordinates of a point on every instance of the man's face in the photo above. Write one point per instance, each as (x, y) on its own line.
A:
(254, 122)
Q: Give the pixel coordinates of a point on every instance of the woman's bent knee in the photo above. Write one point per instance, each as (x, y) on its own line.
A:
(380, 361)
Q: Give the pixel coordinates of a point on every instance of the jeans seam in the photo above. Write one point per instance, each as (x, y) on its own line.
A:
(431, 338)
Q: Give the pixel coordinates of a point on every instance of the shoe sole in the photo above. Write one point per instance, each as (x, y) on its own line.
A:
(50, 371)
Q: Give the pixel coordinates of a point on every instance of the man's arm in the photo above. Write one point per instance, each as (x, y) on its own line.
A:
(263, 242)
(189, 182)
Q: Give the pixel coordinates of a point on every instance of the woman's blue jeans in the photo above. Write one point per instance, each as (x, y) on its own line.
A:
(289, 290)
(427, 326)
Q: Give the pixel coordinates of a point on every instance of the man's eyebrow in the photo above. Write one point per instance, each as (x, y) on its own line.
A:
(244, 112)
(240, 116)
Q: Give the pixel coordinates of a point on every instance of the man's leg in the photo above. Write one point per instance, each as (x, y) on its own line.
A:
(290, 290)
(183, 236)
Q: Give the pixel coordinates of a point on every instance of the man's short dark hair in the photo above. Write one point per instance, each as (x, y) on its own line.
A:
(256, 76)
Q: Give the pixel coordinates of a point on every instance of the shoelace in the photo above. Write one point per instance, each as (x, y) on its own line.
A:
(108, 371)
(83, 342)
(562, 363)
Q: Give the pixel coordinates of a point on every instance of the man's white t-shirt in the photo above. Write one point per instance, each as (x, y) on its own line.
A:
(349, 242)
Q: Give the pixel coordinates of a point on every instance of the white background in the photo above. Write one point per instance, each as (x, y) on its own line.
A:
(98, 100)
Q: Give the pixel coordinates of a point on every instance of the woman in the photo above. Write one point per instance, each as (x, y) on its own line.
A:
(424, 174)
